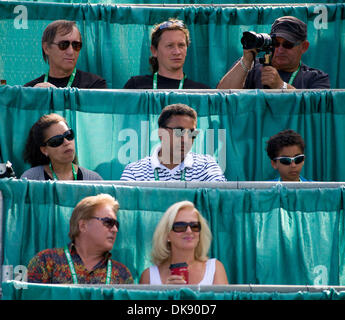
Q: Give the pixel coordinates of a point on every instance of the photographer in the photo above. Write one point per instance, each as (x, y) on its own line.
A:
(287, 43)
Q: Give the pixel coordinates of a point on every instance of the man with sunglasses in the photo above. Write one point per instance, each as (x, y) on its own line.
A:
(169, 42)
(87, 258)
(286, 151)
(289, 40)
(61, 45)
(172, 160)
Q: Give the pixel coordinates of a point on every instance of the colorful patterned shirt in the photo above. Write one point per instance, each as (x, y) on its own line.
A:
(51, 266)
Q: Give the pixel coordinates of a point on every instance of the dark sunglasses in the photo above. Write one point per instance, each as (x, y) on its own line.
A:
(182, 226)
(64, 44)
(285, 44)
(288, 160)
(169, 23)
(57, 141)
(180, 132)
(108, 222)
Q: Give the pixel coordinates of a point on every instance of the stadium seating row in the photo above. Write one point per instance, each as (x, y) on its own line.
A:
(116, 39)
(262, 236)
(234, 127)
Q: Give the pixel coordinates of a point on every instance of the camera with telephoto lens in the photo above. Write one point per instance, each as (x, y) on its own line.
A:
(6, 170)
(258, 41)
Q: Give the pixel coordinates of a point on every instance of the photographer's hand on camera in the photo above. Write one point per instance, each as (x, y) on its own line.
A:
(249, 57)
(270, 77)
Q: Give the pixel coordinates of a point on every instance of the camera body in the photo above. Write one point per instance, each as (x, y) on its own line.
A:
(260, 42)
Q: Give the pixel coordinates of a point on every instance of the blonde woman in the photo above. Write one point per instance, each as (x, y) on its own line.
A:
(182, 235)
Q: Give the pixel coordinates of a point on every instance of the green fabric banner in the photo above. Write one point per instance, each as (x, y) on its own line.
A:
(114, 128)
(187, 2)
(274, 236)
(116, 39)
(13, 290)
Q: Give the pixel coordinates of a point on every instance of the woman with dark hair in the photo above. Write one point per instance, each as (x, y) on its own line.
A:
(50, 149)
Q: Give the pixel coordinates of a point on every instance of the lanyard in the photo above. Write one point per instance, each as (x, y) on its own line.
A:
(55, 176)
(293, 76)
(70, 81)
(155, 81)
(183, 175)
(74, 274)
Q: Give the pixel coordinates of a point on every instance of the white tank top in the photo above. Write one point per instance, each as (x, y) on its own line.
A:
(155, 277)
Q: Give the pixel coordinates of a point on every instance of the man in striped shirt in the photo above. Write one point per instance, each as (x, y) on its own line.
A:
(172, 160)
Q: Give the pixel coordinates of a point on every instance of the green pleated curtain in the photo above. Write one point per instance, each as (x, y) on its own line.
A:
(13, 291)
(116, 38)
(114, 128)
(186, 2)
(274, 236)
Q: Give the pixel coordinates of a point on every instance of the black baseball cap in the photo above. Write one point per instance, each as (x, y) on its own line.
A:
(290, 28)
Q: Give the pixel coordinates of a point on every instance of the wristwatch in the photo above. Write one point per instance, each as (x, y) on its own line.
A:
(284, 86)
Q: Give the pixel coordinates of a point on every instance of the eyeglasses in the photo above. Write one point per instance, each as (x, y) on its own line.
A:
(285, 44)
(180, 132)
(108, 222)
(57, 141)
(169, 23)
(182, 226)
(64, 44)
(288, 160)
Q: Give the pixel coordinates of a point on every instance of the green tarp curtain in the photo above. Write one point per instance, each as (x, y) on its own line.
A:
(274, 236)
(187, 2)
(13, 290)
(116, 42)
(117, 127)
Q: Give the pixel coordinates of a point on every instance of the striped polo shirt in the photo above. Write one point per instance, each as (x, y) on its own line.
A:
(198, 167)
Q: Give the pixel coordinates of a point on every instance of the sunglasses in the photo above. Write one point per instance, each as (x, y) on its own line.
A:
(57, 141)
(108, 222)
(180, 132)
(169, 23)
(64, 44)
(288, 160)
(182, 226)
(285, 44)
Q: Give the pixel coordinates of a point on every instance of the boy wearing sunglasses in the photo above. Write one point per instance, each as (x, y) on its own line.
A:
(289, 43)
(286, 151)
(61, 45)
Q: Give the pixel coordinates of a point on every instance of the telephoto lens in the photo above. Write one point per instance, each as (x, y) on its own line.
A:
(258, 41)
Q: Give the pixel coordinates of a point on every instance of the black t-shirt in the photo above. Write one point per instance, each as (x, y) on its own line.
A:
(82, 80)
(79, 175)
(306, 78)
(146, 82)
